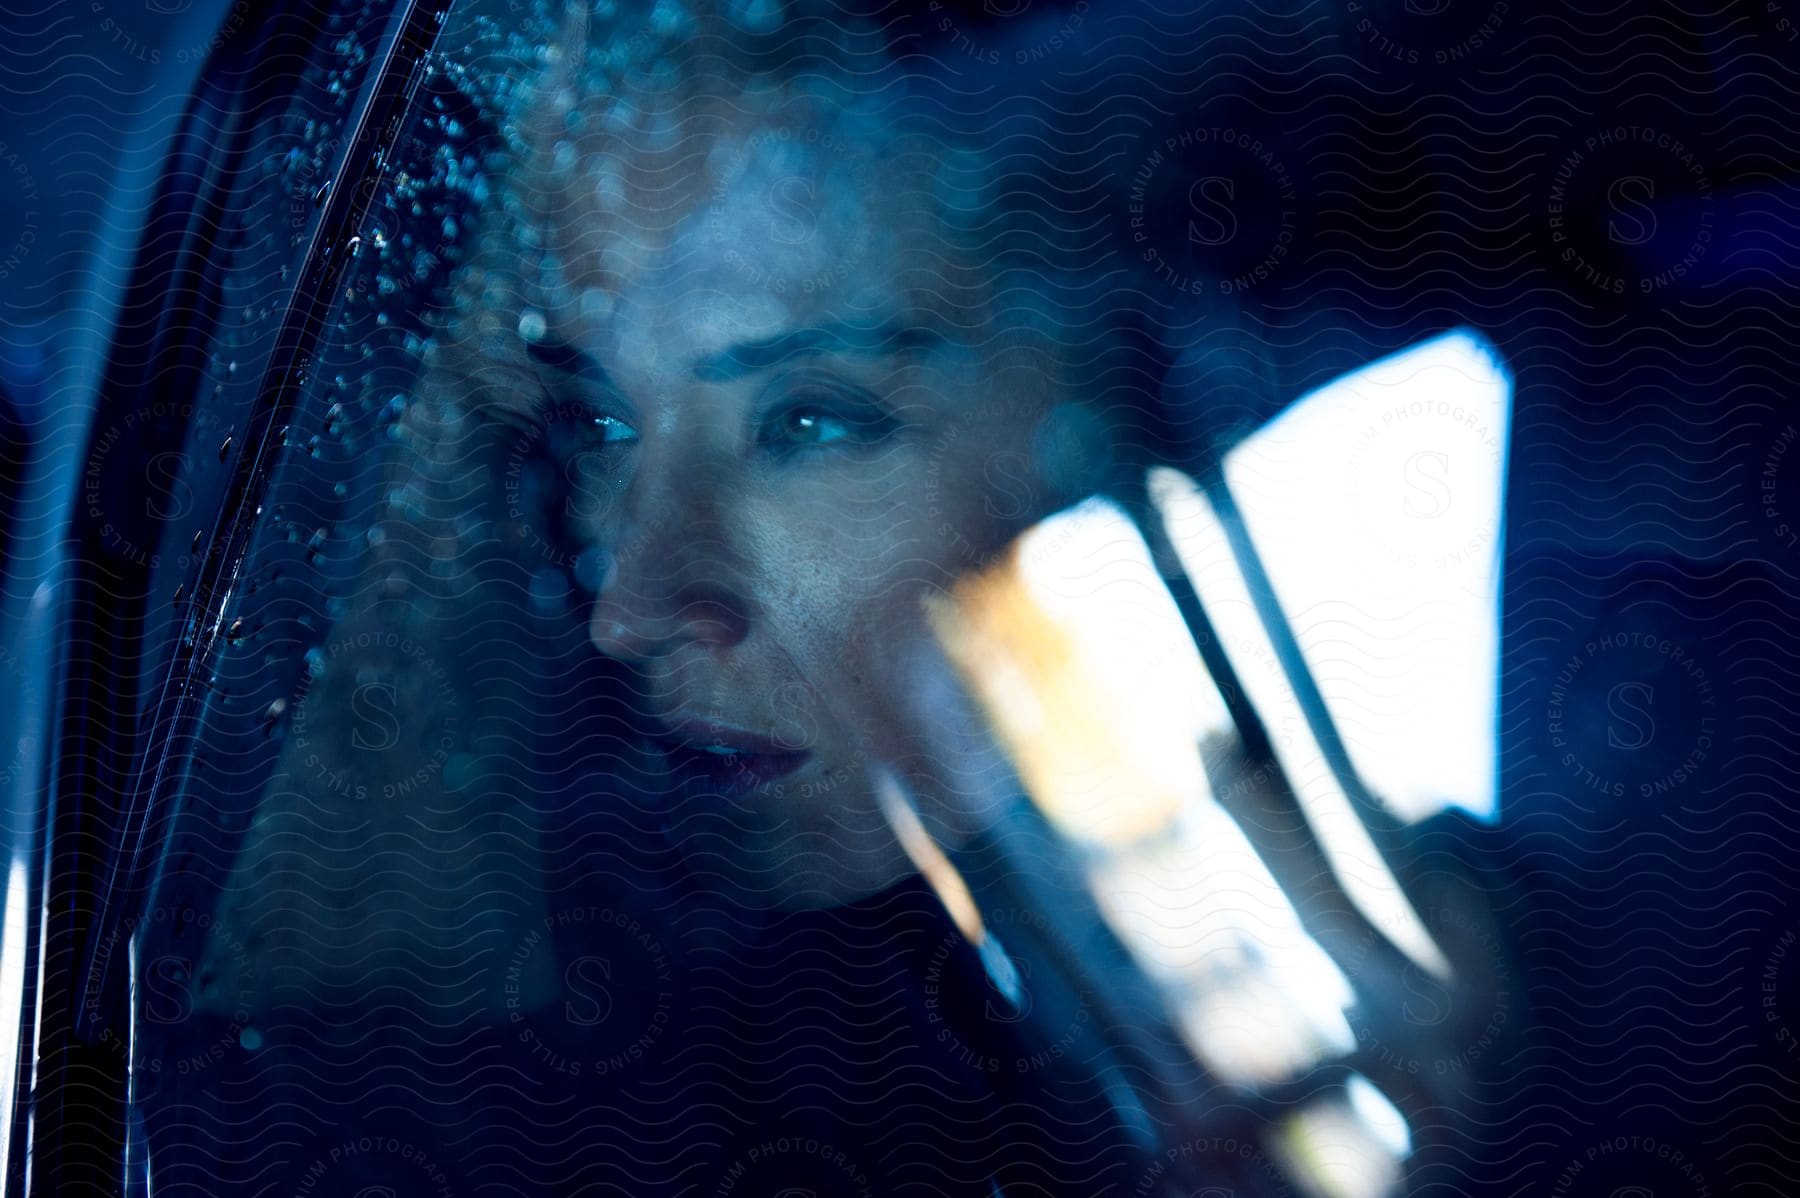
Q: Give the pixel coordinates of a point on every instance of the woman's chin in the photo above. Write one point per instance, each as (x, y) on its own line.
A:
(789, 846)
(796, 877)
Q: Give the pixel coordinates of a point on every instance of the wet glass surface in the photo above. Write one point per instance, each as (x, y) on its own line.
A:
(975, 597)
(589, 793)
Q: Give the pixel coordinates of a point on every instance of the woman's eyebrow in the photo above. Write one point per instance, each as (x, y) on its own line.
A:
(893, 337)
(572, 362)
(565, 358)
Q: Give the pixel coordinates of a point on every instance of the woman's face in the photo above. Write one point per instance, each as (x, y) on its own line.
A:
(783, 410)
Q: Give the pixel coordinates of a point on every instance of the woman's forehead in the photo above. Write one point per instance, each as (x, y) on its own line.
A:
(742, 224)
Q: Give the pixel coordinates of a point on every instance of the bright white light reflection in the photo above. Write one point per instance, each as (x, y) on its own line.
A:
(1083, 662)
(1348, 1146)
(12, 985)
(1086, 668)
(1200, 542)
(1375, 505)
(1379, 1115)
(1253, 994)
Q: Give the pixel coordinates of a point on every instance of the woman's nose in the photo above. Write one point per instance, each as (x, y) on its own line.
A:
(670, 584)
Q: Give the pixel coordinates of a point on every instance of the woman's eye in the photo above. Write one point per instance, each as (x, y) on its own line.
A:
(816, 418)
(811, 426)
(609, 431)
(587, 439)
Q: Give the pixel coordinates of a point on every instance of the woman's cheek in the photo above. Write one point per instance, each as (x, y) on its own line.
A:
(968, 527)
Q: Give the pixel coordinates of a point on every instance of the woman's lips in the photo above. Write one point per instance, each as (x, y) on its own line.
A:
(724, 759)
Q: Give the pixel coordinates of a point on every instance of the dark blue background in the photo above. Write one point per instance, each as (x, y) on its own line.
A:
(1644, 863)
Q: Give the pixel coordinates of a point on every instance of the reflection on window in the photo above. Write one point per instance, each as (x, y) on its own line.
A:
(1083, 662)
(1374, 504)
(12, 987)
(1200, 542)
(1254, 995)
(1346, 1146)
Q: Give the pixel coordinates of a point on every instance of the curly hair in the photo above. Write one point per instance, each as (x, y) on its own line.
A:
(638, 112)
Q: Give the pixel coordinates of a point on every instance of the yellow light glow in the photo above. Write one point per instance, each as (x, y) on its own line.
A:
(1348, 1146)
(1092, 683)
(1078, 653)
